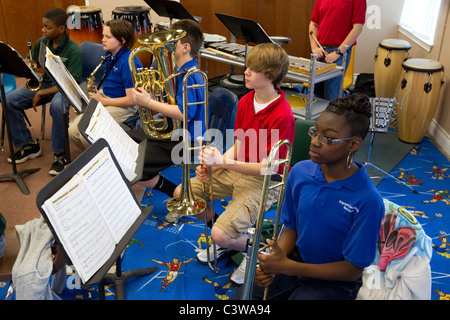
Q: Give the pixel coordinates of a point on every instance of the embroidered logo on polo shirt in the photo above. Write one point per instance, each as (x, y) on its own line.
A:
(348, 207)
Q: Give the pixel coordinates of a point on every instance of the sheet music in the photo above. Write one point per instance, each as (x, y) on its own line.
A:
(91, 213)
(125, 149)
(65, 80)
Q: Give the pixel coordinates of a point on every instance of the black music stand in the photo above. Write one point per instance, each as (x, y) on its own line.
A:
(246, 30)
(170, 9)
(119, 277)
(12, 63)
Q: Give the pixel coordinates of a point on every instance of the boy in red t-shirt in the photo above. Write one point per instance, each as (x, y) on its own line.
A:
(263, 117)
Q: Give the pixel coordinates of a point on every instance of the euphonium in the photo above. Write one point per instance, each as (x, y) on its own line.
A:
(255, 239)
(159, 83)
(90, 81)
(32, 84)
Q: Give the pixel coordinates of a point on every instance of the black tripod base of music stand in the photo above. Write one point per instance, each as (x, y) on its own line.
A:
(119, 279)
(391, 176)
(17, 177)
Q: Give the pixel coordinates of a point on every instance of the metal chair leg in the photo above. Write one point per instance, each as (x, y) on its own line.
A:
(43, 121)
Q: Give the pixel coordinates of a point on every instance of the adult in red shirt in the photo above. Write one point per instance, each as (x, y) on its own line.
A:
(335, 24)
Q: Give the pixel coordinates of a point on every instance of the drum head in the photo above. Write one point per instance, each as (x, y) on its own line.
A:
(83, 9)
(395, 44)
(422, 65)
(131, 9)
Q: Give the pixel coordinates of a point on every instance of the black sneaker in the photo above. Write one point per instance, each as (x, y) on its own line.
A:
(31, 150)
(58, 165)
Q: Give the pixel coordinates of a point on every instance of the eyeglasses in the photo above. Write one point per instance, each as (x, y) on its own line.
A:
(326, 140)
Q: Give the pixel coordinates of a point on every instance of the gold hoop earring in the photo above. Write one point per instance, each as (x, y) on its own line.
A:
(349, 160)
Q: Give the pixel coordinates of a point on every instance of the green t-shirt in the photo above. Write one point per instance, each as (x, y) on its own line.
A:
(68, 50)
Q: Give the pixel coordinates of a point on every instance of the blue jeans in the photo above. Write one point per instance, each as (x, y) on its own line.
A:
(285, 287)
(329, 89)
(20, 100)
(2, 244)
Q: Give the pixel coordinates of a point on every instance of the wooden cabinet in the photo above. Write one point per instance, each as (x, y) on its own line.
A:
(22, 19)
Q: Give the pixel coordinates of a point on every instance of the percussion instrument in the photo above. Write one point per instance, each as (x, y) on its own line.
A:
(209, 38)
(280, 40)
(161, 26)
(139, 17)
(388, 66)
(417, 97)
(85, 24)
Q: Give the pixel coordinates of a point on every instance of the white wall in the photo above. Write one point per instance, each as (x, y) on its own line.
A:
(381, 23)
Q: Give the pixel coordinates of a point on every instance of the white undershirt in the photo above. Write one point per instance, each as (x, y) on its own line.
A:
(260, 106)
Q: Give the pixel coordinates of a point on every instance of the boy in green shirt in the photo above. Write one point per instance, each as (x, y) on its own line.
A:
(57, 40)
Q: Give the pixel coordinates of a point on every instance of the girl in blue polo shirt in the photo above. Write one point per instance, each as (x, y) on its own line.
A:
(117, 83)
(332, 213)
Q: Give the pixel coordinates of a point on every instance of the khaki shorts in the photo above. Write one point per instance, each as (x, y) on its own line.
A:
(245, 192)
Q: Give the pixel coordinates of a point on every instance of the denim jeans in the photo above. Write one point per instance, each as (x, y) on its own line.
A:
(285, 287)
(20, 100)
(329, 89)
(2, 244)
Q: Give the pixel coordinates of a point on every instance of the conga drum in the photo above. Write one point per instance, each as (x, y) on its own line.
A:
(388, 66)
(417, 97)
(85, 23)
(139, 17)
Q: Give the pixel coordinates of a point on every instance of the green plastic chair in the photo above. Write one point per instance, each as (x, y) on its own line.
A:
(300, 149)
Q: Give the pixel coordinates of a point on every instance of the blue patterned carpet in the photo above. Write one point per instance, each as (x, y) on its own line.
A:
(158, 244)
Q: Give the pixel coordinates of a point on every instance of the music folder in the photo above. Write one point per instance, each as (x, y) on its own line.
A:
(91, 211)
(96, 123)
(67, 85)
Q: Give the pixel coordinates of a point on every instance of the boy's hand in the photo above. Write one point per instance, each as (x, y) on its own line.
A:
(201, 173)
(141, 97)
(210, 156)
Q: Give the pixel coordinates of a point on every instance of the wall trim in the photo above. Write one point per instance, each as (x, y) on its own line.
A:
(440, 137)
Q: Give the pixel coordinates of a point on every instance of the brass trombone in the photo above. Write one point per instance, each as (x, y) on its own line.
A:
(187, 204)
(255, 233)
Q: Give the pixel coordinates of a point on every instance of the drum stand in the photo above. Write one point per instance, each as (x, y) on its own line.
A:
(379, 123)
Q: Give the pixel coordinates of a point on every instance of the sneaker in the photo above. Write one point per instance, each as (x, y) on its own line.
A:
(31, 150)
(202, 256)
(171, 217)
(58, 165)
(238, 275)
